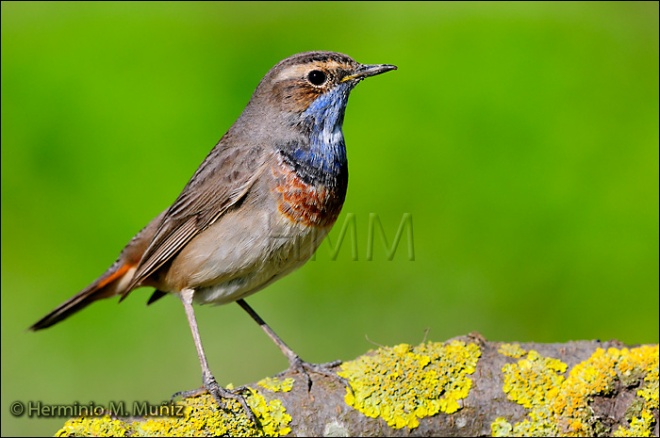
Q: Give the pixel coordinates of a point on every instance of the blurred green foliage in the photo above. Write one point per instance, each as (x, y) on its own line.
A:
(522, 138)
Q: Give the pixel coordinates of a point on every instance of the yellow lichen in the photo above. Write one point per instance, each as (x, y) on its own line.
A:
(275, 384)
(402, 384)
(560, 405)
(501, 427)
(201, 417)
(639, 426)
(512, 350)
(94, 426)
(532, 381)
(641, 362)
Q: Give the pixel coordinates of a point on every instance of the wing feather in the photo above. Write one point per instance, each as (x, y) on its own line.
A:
(223, 179)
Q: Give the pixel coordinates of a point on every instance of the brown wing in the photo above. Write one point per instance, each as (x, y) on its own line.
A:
(225, 176)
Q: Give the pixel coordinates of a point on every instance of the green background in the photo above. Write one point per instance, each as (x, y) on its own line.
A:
(522, 139)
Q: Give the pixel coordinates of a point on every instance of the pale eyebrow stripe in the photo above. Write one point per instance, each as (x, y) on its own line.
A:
(298, 71)
(293, 72)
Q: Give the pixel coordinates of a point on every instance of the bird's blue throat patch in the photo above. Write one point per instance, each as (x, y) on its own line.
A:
(321, 157)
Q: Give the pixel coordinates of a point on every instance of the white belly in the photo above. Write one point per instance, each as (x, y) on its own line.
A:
(250, 262)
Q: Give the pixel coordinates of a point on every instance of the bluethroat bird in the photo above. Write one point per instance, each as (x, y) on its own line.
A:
(256, 209)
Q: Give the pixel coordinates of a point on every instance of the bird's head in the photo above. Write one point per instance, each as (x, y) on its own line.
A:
(313, 84)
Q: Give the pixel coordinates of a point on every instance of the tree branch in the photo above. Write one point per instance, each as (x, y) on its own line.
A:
(464, 387)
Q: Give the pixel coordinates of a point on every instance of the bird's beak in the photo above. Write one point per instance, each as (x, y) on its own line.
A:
(366, 70)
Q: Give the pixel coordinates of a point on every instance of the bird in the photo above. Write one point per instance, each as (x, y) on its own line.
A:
(256, 209)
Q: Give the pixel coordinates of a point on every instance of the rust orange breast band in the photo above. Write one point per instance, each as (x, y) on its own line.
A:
(307, 204)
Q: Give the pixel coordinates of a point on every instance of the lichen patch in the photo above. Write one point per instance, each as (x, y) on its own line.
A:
(402, 384)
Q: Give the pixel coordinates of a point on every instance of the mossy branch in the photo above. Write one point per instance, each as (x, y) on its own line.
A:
(464, 387)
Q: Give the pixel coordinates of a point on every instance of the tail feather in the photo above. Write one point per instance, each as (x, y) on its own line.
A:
(109, 284)
(157, 295)
(115, 281)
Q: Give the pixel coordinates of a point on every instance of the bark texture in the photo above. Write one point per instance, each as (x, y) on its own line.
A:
(463, 387)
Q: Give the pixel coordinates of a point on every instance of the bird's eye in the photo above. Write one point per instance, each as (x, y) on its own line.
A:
(316, 77)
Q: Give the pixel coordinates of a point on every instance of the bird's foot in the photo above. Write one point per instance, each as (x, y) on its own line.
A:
(219, 393)
(297, 365)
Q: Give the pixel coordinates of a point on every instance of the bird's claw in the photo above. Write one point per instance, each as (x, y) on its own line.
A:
(219, 393)
(299, 366)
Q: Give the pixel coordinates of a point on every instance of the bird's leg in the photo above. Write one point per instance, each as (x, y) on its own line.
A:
(296, 364)
(210, 384)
